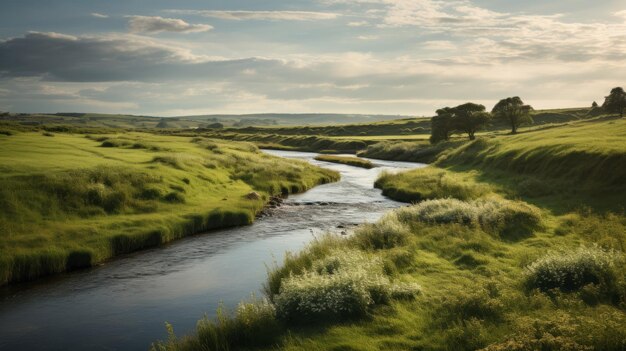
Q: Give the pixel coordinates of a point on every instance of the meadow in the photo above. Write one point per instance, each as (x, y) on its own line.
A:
(75, 200)
(512, 242)
(508, 242)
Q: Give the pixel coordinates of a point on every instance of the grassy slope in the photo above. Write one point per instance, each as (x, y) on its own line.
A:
(402, 139)
(348, 160)
(69, 202)
(573, 165)
(310, 143)
(475, 291)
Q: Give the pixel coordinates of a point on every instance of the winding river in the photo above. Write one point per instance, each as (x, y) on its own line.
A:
(123, 304)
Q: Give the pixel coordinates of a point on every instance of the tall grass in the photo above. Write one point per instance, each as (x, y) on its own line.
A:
(505, 218)
(253, 324)
(570, 271)
(429, 183)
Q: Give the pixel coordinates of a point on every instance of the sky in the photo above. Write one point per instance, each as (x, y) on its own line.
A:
(409, 57)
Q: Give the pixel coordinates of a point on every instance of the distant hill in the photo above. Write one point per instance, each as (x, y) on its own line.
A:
(187, 122)
(267, 119)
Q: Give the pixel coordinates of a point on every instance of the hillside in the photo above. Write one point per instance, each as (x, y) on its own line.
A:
(70, 200)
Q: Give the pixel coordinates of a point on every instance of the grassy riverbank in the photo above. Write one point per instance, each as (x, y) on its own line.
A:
(346, 160)
(307, 143)
(72, 200)
(517, 243)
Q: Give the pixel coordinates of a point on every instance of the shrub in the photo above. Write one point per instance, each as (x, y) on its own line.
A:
(114, 143)
(150, 193)
(384, 234)
(322, 298)
(570, 271)
(48, 134)
(340, 286)
(300, 262)
(174, 197)
(510, 219)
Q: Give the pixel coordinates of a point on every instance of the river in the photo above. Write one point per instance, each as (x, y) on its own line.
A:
(123, 304)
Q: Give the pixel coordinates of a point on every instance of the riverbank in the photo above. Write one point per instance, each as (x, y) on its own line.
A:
(72, 201)
(346, 160)
(517, 243)
(123, 303)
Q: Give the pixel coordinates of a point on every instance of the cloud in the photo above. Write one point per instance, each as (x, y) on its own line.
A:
(621, 14)
(483, 35)
(261, 15)
(358, 24)
(439, 45)
(368, 37)
(99, 15)
(100, 58)
(156, 24)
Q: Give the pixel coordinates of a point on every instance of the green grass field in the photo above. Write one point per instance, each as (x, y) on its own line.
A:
(516, 242)
(73, 200)
(346, 160)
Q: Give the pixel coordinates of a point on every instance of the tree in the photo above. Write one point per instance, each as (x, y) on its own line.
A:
(441, 125)
(467, 118)
(513, 111)
(594, 105)
(470, 118)
(615, 102)
(162, 123)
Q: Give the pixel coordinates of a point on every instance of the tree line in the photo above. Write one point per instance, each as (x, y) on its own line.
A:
(470, 118)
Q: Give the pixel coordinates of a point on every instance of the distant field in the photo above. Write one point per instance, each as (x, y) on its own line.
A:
(71, 200)
(95, 120)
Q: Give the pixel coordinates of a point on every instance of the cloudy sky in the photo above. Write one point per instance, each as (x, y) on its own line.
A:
(347, 56)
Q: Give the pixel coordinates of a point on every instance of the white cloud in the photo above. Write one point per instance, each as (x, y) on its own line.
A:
(99, 15)
(358, 24)
(439, 45)
(156, 24)
(621, 14)
(368, 37)
(261, 15)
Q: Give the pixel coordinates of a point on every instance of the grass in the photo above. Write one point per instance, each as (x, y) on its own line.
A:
(430, 183)
(516, 243)
(421, 151)
(70, 201)
(401, 139)
(310, 143)
(458, 287)
(346, 160)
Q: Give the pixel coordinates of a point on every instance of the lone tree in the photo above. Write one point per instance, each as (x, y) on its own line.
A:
(615, 102)
(467, 118)
(470, 118)
(513, 111)
(441, 126)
